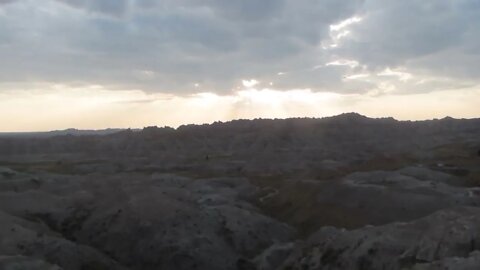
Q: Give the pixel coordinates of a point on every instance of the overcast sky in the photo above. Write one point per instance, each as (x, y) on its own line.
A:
(122, 63)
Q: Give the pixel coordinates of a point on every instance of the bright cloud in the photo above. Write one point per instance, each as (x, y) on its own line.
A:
(402, 76)
(341, 25)
(249, 83)
(343, 62)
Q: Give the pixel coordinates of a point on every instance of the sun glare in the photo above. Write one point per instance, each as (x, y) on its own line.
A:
(59, 106)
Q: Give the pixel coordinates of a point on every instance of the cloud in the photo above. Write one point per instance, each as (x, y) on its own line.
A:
(2, 2)
(110, 7)
(184, 47)
(425, 38)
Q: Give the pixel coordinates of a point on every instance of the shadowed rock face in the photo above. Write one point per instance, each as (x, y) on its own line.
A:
(420, 244)
(161, 221)
(20, 262)
(346, 192)
(379, 197)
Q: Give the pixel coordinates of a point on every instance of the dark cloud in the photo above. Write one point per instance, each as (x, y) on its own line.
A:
(171, 45)
(248, 9)
(6, 1)
(111, 7)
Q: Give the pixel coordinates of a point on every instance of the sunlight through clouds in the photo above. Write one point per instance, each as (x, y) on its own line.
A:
(61, 107)
(340, 31)
(345, 23)
(250, 83)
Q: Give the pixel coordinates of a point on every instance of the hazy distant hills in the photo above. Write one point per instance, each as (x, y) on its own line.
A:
(257, 124)
(301, 144)
(70, 131)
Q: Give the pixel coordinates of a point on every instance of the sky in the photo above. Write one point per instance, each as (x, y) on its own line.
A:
(93, 64)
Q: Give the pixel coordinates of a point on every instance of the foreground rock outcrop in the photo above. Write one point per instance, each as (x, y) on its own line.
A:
(138, 222)
(447, 238)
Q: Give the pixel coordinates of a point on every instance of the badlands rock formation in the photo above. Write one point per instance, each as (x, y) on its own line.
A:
(345, 192)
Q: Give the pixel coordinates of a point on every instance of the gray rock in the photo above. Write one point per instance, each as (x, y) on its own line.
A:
(472, 262)
(25, 263)
(427, 243)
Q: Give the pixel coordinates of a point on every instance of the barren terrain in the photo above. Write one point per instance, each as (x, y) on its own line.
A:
(344, 192)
